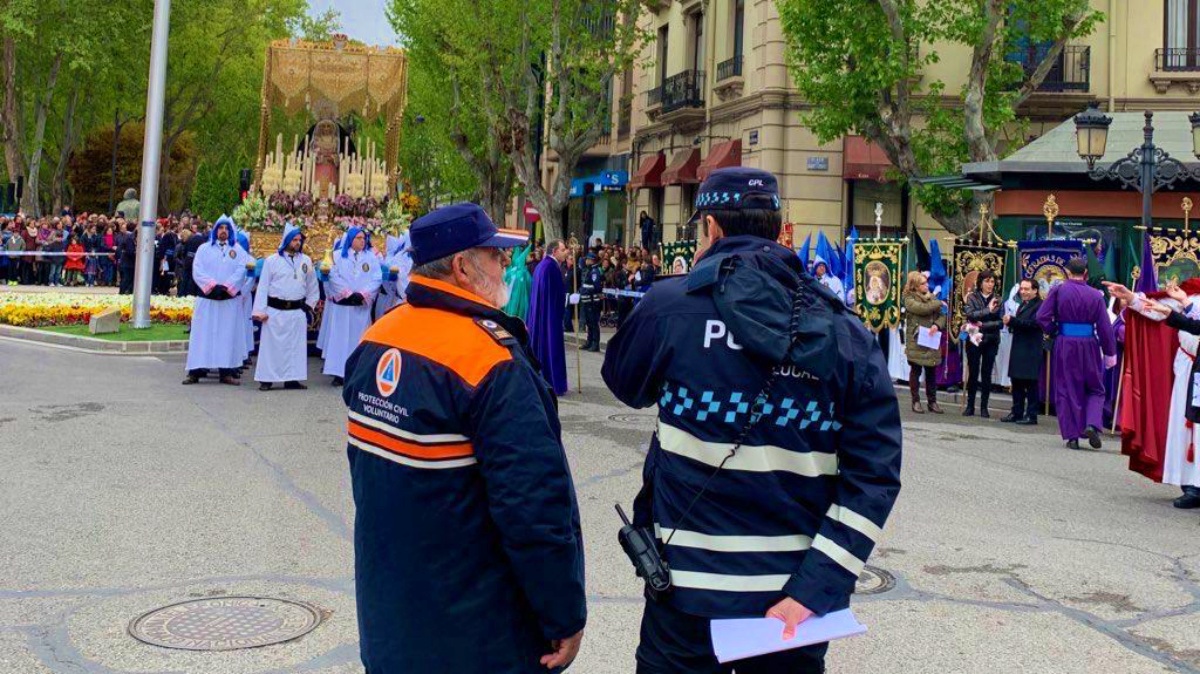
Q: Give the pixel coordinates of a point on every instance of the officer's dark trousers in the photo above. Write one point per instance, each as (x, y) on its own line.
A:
(591, 318)
(674, 642)
(126, 287)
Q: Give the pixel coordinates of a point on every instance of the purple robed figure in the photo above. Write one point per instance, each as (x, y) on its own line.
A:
(1075, 313)
(547, 300)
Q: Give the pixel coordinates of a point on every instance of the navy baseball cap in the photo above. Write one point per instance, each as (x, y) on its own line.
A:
(735, 189)
(453, 229)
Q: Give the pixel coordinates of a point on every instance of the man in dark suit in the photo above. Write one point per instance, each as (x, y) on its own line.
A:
(1025, 360)
(127, 257)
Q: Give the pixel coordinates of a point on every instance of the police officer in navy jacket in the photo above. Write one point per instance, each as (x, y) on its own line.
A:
(467, 548)
(785, 527)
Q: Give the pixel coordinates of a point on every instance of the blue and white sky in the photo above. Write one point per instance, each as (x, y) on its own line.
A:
(363, 20)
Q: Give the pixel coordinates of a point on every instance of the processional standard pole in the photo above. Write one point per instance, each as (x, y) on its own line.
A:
(1050, 210)
(151, 162)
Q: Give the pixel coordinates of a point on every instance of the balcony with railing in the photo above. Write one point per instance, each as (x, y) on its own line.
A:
(730, 68)
(1176, 65)
(1071, 71)
(683, 91)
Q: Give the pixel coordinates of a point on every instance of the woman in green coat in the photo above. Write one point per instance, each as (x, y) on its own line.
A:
(924, 310)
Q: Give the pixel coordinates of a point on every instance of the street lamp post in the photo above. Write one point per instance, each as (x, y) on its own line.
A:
(1147, 168)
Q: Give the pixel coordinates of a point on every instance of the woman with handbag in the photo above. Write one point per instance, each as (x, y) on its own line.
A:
(983, 309)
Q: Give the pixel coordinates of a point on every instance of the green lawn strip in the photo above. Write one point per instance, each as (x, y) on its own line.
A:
(155, 333)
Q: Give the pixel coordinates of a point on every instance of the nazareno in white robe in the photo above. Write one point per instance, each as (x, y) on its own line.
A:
(401, 260)
(283, 344)
(218, 337)
(345, 325)
(1183, 438)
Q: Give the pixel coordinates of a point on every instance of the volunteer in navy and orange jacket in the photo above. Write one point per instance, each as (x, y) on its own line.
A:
(468, 552)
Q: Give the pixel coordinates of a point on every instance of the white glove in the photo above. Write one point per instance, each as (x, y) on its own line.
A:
(573, 299)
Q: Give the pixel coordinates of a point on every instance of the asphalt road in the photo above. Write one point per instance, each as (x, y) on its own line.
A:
(122, 491)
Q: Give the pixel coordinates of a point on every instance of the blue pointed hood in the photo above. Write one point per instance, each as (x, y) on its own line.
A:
(804, 251)
(937, 270)
(290, 231)
(223, 221)
(349, 239)
(243, 240)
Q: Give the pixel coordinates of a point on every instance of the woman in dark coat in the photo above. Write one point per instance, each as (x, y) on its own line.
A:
(983, 309)
(1025, 361)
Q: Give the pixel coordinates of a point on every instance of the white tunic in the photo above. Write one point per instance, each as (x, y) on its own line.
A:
(218, 337)
(345, 325)
(1177, 469)
(897, 360)
(247, 300)
(835, 285)
(393, 292)
(283, 347)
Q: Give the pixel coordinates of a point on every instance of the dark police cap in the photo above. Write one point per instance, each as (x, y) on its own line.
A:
(737, 188)
(453, 229)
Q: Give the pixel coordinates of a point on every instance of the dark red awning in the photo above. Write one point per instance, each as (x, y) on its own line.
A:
(649, 173)
(683, 168)
(863, 160)
(721, 156)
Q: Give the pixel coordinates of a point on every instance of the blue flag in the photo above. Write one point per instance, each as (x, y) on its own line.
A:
(804, 251)
(937, 271)
(848, 267)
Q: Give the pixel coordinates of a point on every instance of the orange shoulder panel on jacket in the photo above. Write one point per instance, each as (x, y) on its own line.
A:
(447, 338)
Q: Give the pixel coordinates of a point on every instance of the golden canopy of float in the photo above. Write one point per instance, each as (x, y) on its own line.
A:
(325, 169)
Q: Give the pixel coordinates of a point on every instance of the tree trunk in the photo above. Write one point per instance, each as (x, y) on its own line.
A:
(10, 116)
(58, 187)
(31, 202)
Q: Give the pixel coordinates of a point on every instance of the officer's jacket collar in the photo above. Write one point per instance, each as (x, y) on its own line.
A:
(434, 294)
(781, 263)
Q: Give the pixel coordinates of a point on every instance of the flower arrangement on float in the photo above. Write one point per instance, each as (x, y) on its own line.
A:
(33, 310)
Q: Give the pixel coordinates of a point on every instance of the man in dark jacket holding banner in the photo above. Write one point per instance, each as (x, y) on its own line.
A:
(1025, 359)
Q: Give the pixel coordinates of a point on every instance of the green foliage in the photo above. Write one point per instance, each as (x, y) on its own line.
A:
(90, 167)
(861, 64)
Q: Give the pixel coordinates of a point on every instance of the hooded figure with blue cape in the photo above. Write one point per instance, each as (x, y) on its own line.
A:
(353, 284)
(218, 332)
(518, 279)
(397, 265)
(287, 285)
(547, 301)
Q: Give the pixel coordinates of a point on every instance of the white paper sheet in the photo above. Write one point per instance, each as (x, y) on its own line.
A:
(750, 637)
(929, 339)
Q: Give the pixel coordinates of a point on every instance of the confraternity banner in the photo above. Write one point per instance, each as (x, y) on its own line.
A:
(677, 257)
(1045, 262)
(1175, 256)
(969, 261)
(877, 282)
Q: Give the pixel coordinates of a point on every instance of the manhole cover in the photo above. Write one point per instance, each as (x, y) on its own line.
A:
(225, 623)
(639, 420)
(874, 580)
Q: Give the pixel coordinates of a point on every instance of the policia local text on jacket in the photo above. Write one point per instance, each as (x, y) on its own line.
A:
(468, 551)
(798, 509)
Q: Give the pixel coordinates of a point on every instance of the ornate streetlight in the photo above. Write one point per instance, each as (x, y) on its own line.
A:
(1147, 168)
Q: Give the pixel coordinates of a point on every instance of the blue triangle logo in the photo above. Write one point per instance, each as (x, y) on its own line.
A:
(389, 372)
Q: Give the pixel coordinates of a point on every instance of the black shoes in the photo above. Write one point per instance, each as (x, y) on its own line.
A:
(969, 412)
(1093, 436)
(337, 381)
(1030, 420)
(264, 386)
(1072, 444)
(294, 386)
(1009, 418)
(1189, 500)
(984, 414)
(191, 380)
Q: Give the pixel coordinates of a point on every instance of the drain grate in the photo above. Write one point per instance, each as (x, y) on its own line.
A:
(646, 421)
(874, 580)
(226, 623)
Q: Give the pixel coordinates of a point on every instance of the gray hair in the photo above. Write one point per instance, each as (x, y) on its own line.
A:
(131, 193)
(553, 246)
(439, 269)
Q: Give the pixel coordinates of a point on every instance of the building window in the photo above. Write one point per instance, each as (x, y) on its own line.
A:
(697, 34)
(739, 23)
(664, 34)
(1181, 36)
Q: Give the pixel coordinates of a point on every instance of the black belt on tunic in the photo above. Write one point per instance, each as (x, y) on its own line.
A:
(285, 305)
(354, 300)
(218, 294)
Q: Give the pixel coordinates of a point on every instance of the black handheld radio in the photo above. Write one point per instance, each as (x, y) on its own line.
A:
(642, 550)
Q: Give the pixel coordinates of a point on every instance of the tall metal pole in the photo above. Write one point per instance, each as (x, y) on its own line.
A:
(151, 156)
(1149, 165)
